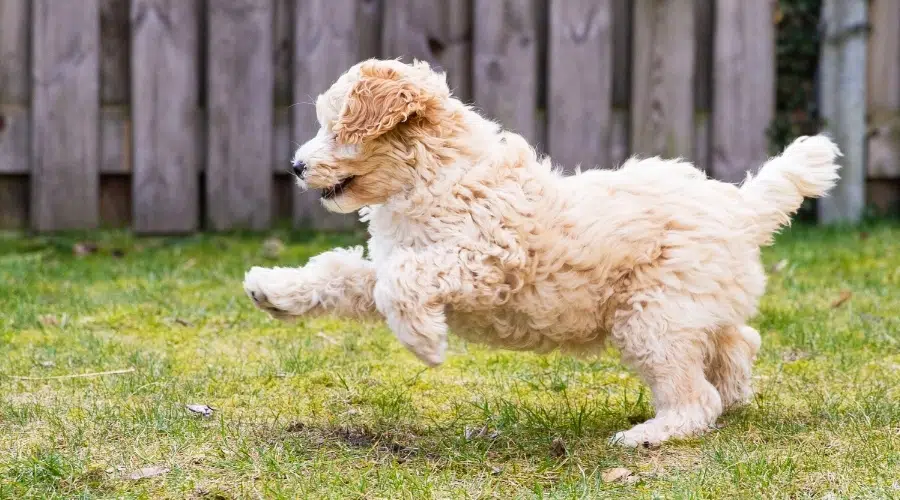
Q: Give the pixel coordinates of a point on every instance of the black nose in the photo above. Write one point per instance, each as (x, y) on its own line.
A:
(299, 167)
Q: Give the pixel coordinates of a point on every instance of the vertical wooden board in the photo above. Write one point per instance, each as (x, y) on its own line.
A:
(115, 140)
(13, 201)
(282, 51)
(662, 108)
(164, 65)
(619, 147)
(15, 86)
(240, 93)
(65, 118)
(327, 44)
(15, 30)
(439, 32)
(703, 62)
(114, 52)
(842, 72)
(505, 71)
(884, 90)
(580, 82)
(369, 15)
(743, 86)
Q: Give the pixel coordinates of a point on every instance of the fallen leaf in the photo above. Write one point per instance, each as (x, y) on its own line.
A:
(203, 410)
(844, 297)
(779, 266)
(558, 448)
(272, 248)
(83, 248)
(495, 471)
(183, 322)
(615, 474)
(47, 364)
(48, 320)
(633, 479)
(156, 470)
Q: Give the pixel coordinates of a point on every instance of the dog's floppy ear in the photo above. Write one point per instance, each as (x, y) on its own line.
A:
(380, 100)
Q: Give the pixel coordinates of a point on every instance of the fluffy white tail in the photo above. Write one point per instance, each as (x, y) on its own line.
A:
(806, 168)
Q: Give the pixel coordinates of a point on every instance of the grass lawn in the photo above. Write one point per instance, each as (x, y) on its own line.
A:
(336, 409)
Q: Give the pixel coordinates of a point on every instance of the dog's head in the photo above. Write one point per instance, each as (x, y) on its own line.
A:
(371, 120)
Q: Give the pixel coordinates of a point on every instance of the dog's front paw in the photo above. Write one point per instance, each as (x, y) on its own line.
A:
(270, 291)
(646, 435)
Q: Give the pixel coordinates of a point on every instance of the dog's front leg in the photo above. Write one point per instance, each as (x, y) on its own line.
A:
(410, 293)
(339, 282)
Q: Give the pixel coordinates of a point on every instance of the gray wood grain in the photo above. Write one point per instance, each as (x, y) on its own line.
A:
(164, 62)
(114, 51)
(15, 86)
(743, 87)
(115, 140)
(620, 135)
(662, 109)
(327, 44)
(240, 92)
(884, 90)
(437, 32)
(283, 50)
(65, 127)
(843, 91)
(703, 65)
(505, 64)
(580, 82)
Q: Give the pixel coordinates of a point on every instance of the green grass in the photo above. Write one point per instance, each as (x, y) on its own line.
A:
(338, 409)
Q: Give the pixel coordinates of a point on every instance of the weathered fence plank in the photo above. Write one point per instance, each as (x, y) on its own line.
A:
(327, 43)
(240, 93)
(505, 64)
(114, 53)
(437, 32)
(619, 139)
(580, 82)
(65, 148)
(743, 86)
(15, 86)
(703, 62)
(662, 107)
(884, 90)
(843, 104)
(164, 65)
(115, 119)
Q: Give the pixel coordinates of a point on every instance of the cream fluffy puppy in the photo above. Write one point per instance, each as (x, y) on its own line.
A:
(472, 232)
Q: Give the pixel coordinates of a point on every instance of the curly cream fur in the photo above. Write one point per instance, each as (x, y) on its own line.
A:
(473, 233)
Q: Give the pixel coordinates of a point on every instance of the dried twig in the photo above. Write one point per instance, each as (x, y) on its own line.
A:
(76, 375)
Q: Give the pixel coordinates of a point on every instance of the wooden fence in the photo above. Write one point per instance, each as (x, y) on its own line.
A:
(178, 115)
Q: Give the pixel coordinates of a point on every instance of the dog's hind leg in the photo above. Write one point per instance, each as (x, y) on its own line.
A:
(339, 282)
(670, 358)
(730, 365)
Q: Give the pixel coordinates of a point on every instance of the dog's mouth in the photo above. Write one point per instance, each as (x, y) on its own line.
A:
(330, 192)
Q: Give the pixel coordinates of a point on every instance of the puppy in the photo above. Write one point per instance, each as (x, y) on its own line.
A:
(472, 232)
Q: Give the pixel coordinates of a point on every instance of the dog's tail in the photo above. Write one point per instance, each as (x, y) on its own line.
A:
(806, 168)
